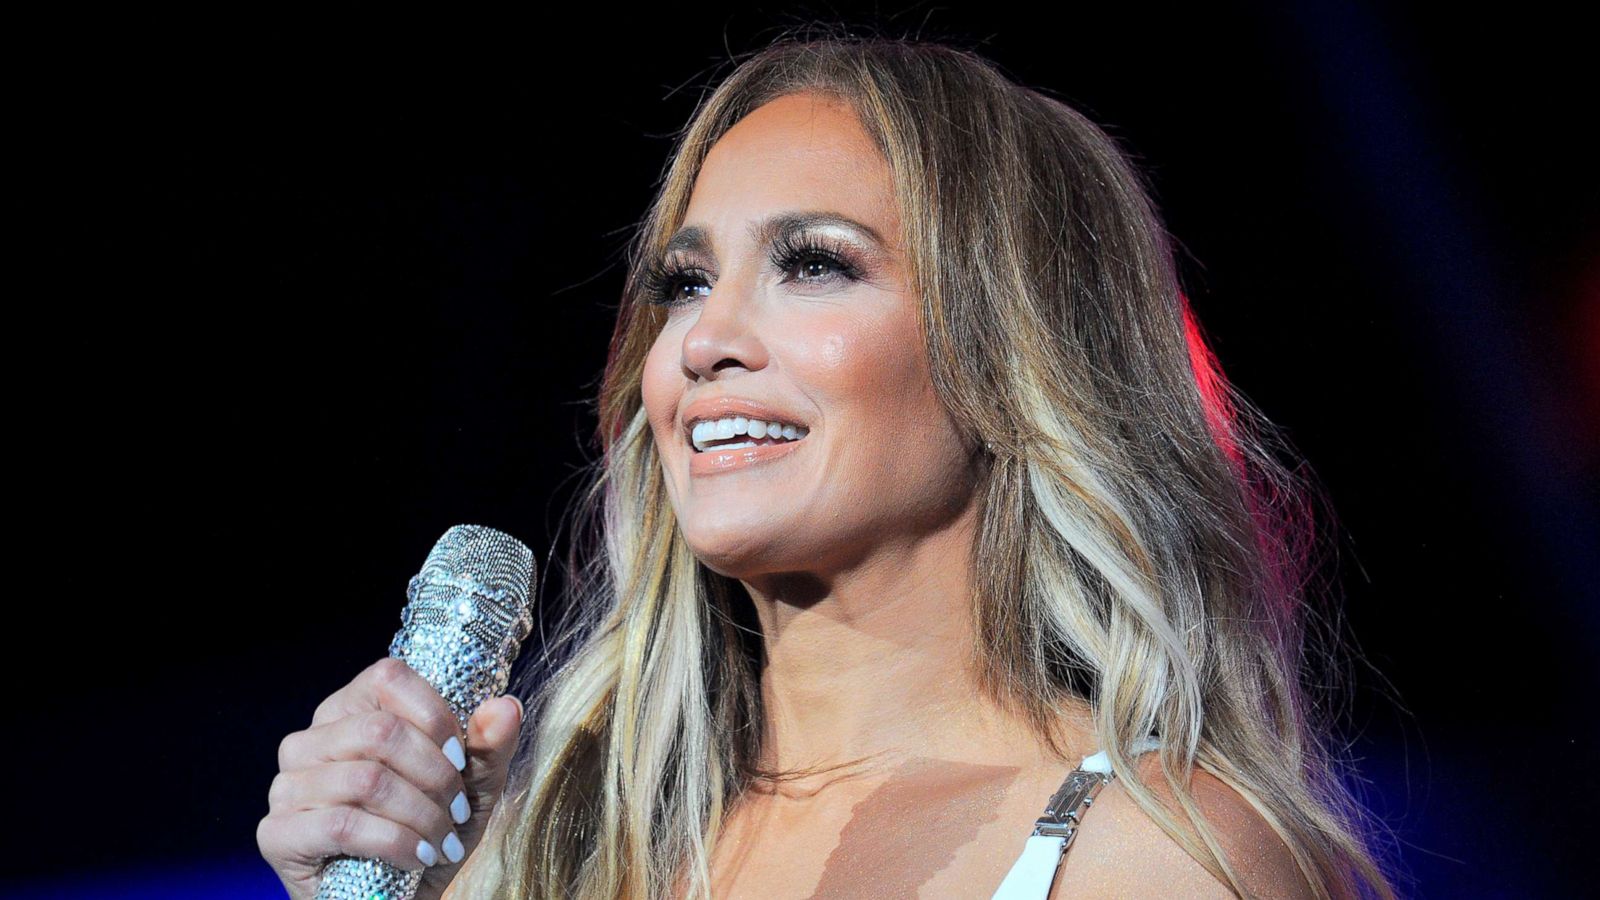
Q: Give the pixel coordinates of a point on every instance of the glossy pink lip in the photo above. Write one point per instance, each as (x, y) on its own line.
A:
(726, 407)
(713, 462)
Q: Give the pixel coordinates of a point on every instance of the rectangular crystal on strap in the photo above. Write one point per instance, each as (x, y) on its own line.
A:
(1064, 811)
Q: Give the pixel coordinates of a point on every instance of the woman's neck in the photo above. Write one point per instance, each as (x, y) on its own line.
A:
(874, 666)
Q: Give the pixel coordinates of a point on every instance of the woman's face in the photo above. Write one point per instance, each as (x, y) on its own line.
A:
(783, 311)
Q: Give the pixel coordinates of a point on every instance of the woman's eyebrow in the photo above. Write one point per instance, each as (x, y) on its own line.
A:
(697, 239)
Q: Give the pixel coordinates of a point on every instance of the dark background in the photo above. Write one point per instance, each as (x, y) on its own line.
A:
(297, 293)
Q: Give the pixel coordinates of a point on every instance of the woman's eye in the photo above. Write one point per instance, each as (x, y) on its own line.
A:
(818, 266)
(667, 284)
(684, 288)
(815, 265)
(673, 284)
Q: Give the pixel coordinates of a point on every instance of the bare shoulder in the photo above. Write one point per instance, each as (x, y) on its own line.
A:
(1119, 851)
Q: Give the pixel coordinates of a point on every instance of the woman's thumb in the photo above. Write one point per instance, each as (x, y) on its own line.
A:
(491, 739)
(492, 732)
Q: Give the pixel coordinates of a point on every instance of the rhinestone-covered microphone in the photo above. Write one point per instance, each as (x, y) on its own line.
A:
(463, 625)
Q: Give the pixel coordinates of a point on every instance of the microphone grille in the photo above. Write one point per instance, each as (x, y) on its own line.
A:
(467, 615)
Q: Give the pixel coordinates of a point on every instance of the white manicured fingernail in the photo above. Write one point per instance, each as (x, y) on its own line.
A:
(453, 850)
(454, 752)
(460, 809)
(426, 853)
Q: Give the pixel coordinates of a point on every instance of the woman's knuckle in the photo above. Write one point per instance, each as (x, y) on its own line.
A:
(266, 833)
(389, 671)
(380, 729)
(287, 747)
(278, 792)
(368, 782)
(444, 782)
(441, 720)
(344, 826)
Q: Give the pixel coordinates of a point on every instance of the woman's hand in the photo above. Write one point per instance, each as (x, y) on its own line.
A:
(376, 776)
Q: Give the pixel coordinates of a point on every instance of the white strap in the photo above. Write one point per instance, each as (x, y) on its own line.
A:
(1034, 871)
(1099, 762)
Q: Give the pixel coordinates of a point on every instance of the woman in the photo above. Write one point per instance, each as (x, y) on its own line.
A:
(918, 493)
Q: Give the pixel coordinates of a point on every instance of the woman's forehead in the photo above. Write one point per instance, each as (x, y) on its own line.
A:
(799, 152)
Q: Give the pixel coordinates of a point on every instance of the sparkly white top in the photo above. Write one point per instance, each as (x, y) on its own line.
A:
(1035, 870)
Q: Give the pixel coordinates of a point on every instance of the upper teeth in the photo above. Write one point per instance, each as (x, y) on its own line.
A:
(722, 429)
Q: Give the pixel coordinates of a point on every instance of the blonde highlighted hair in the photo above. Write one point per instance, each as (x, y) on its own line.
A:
(1141, 546)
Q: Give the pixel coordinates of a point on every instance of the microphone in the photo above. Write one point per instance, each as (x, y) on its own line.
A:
(462, 627)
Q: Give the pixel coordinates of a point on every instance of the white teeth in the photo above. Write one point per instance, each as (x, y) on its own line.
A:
(723, 429)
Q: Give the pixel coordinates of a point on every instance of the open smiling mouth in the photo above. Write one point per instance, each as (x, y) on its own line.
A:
(738, 433)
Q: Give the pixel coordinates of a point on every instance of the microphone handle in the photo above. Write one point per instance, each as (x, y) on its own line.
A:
(466, 615)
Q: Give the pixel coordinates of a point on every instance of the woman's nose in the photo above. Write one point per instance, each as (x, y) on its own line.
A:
(724, 334)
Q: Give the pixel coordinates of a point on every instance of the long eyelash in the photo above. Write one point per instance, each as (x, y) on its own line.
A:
(660, 280)
(792, 249)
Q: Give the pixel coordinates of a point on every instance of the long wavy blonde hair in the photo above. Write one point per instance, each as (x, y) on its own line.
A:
(1141, 546)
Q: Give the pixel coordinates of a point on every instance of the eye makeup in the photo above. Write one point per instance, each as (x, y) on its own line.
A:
(796, 254)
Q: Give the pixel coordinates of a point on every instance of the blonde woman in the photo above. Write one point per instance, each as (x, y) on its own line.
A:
(920, 508)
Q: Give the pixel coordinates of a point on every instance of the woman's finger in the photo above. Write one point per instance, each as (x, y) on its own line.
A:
(491, 737)
(386, 738)
(304, 841)
(491, 740)
(389, 684)
(371, 786)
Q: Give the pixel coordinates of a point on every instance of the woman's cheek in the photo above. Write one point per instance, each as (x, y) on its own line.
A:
(657, 390)
(833, 354)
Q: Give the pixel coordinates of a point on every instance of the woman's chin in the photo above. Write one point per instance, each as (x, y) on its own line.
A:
(743, 552)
